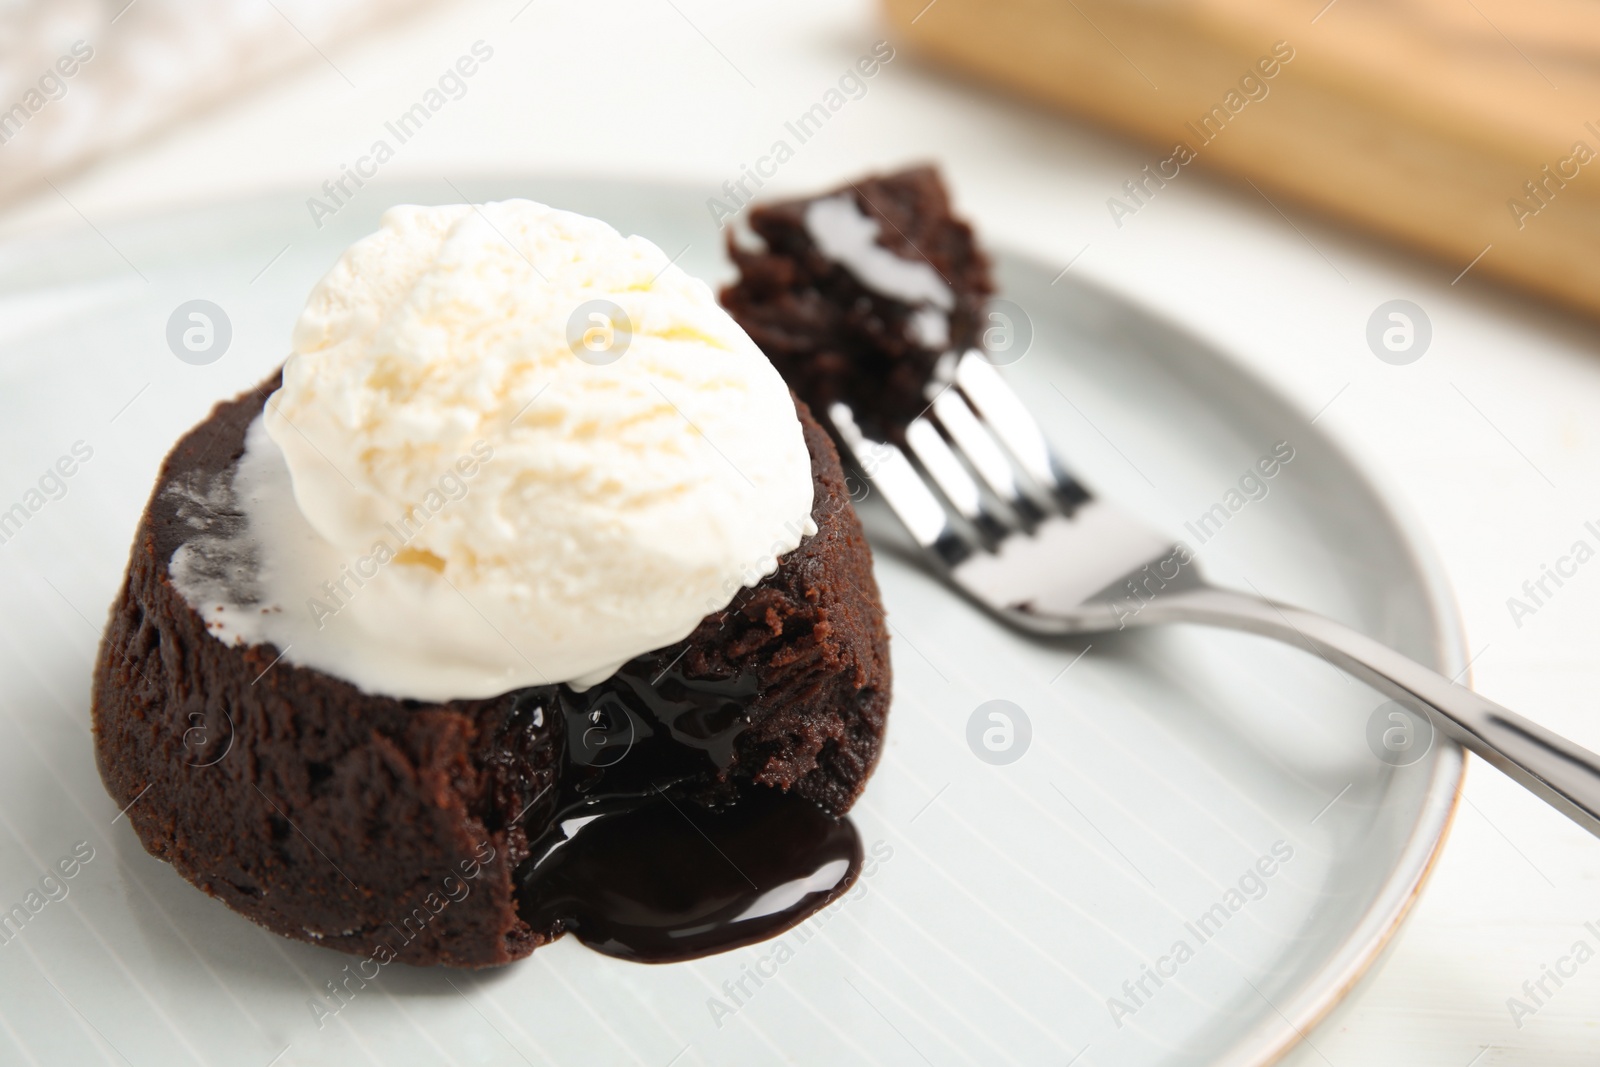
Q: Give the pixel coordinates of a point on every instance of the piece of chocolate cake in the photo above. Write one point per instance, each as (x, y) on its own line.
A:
(401, 829)
(858, 292)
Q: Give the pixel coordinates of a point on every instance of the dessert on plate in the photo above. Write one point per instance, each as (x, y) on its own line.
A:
(525, 599)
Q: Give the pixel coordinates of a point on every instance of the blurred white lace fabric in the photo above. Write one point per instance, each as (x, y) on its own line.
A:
(81, 77)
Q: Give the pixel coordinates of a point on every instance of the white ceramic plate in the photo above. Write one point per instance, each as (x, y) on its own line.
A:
(1008, 903)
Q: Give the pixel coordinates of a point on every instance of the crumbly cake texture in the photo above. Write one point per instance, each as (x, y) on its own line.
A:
(387, 828)
(833, 338)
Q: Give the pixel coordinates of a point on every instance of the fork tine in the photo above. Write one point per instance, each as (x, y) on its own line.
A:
(952, 479)
(892, 474)
(1009, 419)
(985, 456)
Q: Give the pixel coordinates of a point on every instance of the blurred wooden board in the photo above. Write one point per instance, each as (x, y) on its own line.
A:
(1424, 120)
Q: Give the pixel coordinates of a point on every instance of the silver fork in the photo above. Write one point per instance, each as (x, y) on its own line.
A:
(986, 497)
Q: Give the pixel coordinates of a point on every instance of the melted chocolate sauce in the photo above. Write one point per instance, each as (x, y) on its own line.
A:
(641, 862)
(663, 880)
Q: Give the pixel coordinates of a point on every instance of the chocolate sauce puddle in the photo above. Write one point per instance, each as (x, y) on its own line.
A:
(641, 862)
(661, 881)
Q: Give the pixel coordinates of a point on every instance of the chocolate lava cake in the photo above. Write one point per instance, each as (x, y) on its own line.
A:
(830, 329)
(402, 829)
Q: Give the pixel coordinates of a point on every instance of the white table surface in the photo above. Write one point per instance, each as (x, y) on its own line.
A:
(1493, 437)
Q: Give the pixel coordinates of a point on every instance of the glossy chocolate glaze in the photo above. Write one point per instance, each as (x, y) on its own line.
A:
(643, 861)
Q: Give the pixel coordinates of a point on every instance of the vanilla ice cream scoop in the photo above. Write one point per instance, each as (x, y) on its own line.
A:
(523, 449)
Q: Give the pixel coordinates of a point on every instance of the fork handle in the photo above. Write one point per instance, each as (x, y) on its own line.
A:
(1565, 775)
